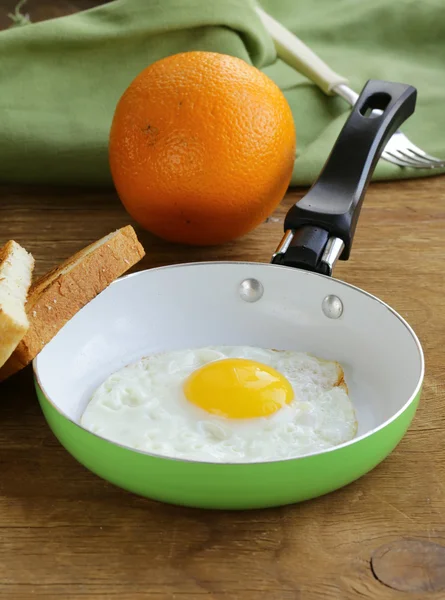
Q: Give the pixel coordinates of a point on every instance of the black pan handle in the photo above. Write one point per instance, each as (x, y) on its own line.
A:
(321, 226)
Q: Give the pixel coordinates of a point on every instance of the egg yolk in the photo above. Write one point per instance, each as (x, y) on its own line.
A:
(238, 388)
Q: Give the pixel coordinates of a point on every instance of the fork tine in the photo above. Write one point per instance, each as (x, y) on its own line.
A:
(400, 143)
(392, 159)
(399, 159)
(421, 155)
(401, 151)
(414, 161)
(409, 154)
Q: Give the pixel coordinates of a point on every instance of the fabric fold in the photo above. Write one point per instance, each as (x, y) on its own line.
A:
(61, 79)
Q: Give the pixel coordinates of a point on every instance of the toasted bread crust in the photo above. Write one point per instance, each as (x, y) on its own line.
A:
(11, 333)
(12, 329)
(57, 296)
(11, 366)
(6, 250)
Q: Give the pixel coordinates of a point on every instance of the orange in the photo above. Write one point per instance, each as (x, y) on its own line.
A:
(201, 148)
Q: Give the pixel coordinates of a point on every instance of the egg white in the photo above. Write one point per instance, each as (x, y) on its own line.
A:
(143, 406)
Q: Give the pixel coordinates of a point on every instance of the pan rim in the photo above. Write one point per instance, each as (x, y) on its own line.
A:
(355, 440)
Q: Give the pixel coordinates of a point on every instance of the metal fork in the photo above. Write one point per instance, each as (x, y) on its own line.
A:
(291, 50)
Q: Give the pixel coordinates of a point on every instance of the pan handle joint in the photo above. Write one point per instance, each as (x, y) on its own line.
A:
(309, 248)
(319, 228)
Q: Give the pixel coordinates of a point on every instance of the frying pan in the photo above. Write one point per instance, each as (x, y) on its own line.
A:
(291, 303)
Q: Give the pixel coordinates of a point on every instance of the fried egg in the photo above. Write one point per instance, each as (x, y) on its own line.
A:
(225, 404)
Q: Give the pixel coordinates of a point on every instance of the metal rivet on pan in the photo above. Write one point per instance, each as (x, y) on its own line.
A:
(251, 290)
(332, 307)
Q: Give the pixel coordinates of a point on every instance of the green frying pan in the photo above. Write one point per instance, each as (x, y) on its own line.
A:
(292, 303)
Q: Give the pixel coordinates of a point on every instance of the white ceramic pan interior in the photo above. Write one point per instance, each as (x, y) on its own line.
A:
(200, 304)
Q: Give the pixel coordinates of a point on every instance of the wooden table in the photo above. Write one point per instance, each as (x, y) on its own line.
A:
(67, 534)
(64, 533)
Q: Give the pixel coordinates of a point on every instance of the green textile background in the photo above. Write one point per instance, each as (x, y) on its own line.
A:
(61, 79)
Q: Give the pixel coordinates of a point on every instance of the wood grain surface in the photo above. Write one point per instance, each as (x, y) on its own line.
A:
(64, 533)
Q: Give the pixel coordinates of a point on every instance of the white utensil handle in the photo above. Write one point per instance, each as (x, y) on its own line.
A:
(297, 55)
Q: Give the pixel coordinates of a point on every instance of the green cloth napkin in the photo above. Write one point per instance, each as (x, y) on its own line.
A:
(61, 79)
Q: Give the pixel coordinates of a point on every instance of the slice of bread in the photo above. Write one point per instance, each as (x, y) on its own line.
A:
(57, 296)
(16, 266)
